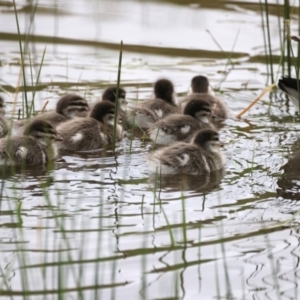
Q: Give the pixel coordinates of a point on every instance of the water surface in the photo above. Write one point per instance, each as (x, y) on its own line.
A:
(95, 226)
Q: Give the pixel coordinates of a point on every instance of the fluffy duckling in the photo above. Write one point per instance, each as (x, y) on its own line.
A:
(3, 123)
(93, 132)
(200, 84)
(33, 148)
(149, 111)
(110, 95)
(178, 127)
(201, 88)
(201, 155)
(68, 107)
(290, 87)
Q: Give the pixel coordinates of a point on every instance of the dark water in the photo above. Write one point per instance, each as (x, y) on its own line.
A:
(96, 226)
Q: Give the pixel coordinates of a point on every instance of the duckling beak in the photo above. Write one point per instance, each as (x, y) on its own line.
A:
(58, 138)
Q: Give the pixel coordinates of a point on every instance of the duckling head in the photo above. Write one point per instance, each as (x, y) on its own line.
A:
(207, 139)
(164, 89)
(200, 84)
(43, 132)
(71, 106)
(198, 109)
(2, 107)
(110, 95)
(104, 112)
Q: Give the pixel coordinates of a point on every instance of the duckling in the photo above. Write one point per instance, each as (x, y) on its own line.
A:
(68, 107)
(200, 84)
(291, 87)
(33, 148)
(93, 132)
(3, 123)
(110, 93)
(201, 88)
(201, 155)
(178, 127)
(149, 111)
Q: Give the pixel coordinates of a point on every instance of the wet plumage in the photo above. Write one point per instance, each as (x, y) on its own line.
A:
(178, 127)
(68, 107)
(34, 147)
(201, 155)
(149, 111)
(93, 132)
(202, 90)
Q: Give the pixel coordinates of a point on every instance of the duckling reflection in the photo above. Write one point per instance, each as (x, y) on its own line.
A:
(202, 183)
(149, 111)
(68, 107)
(201, 89)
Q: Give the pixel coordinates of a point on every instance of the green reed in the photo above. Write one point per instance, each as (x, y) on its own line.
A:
(221, 235)
(31, 110)
(172, 240)
(269, 40)
(117, 97)
(22, 60)
(97, 295)
(217, 280)
(287, 34)
(183, 222)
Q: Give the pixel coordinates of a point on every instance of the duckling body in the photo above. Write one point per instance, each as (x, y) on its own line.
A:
(149, 111)
(68, 107)
(3, 123)
(33, 148)
(178, 127)
(290, 87)
(93, 132)
(201, 89)
(201, 155)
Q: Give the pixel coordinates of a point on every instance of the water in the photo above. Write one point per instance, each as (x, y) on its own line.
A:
(96, 227)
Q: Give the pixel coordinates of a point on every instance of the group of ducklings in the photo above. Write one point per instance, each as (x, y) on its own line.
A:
(186, 128)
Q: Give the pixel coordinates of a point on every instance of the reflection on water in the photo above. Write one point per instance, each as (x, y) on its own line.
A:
(95, 225)
(201, 183)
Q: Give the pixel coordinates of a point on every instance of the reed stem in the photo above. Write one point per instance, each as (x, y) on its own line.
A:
(117, 97)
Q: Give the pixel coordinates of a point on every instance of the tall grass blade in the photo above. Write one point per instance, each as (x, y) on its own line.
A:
(22, 60)
(287, 34)
(183, 219)
(265, 38)
(169, 227)
(36, 83)
(117, 96)
(269, 40)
